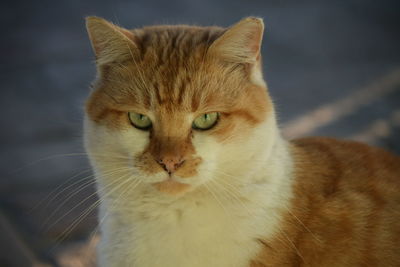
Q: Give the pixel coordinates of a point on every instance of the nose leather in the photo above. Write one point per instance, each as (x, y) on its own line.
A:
(171, 163)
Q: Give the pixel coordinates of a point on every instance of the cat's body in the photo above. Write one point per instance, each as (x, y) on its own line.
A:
(345, 210)
(233, 193)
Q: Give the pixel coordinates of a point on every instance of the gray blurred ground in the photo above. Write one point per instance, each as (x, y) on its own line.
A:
(333, 68)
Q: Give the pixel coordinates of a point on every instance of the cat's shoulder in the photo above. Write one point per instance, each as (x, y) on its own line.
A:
(350, 151)
(344, 160)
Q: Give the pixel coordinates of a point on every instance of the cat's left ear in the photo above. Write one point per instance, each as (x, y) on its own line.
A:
(241, 43)
(110, 43)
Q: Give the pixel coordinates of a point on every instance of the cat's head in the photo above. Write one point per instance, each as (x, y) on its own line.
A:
(176, 107)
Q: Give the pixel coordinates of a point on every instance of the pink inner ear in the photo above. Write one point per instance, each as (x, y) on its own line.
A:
(255, 42)
(254, 47)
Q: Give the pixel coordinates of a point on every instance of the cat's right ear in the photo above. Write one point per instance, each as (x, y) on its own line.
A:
(110, 43)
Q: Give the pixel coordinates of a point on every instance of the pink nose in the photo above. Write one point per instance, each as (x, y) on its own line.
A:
(171, 164)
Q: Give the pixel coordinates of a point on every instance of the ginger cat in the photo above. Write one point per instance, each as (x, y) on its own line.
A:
(192, 170)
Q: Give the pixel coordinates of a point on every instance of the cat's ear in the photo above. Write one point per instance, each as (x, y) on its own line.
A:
(241, 43)
(110, 43)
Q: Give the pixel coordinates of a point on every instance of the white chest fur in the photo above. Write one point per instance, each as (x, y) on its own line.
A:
(202, 234)
(212, 229)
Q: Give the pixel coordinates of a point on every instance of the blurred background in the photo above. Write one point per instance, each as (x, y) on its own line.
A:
(333, 68)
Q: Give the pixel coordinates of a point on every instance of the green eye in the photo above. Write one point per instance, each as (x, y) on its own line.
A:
(205, 121)
(140, 121)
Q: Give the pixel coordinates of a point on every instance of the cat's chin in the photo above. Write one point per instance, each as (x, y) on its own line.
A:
(171, 187)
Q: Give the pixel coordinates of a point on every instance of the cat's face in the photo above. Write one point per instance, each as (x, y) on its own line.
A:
(174, 112)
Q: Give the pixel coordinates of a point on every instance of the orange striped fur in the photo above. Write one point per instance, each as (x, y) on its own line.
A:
(346, 208)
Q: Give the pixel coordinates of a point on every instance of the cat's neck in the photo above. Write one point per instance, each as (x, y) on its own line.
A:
(273, 164)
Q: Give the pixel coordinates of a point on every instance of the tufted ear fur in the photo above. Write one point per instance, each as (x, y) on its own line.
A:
(110, 43)
(241, 43)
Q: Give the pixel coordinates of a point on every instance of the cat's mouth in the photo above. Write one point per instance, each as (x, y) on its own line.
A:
(171, 186)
